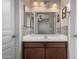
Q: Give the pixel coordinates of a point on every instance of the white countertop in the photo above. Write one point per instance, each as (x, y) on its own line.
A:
(45, 38)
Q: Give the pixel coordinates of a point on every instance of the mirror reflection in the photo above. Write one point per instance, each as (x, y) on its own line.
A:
(46, 17)
(43, 23)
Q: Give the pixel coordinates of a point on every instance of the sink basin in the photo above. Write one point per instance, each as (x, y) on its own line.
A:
(44, 38)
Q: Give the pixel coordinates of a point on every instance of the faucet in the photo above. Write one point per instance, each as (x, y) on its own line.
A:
(45, 36)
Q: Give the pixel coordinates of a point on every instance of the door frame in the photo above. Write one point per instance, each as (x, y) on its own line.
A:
(72, 31)
(19, 18)
(18, 28)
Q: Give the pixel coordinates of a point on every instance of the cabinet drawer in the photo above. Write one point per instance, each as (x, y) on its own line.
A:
(56, 44)
(33, 45)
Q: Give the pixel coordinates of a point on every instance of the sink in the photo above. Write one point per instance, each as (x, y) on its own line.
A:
(37, 38)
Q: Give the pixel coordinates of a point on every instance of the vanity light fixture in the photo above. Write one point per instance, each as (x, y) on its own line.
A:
(54, 7)
(36, 4)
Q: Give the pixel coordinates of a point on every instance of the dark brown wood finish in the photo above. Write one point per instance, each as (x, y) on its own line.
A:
(27, 45)
(34, 53)
(44, 50)
(55, 44)
(55, 53)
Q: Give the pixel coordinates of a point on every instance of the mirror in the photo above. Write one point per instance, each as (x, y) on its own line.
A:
(48, 17)
(42, 23)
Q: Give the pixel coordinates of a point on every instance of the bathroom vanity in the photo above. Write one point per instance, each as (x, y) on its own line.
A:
(43, 36)
(44, 50)
(40, 47)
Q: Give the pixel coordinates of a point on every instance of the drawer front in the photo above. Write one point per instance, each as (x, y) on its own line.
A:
(56, 44)
(33, 45)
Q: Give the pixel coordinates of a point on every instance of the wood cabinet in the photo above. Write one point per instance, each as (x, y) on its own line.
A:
(55, 53)
(34, 53)
(44, 50)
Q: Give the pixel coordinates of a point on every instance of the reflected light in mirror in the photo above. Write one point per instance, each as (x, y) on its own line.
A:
(26, 8)
(42, 4)
(54, 7)
(68, 6)
(35, 3)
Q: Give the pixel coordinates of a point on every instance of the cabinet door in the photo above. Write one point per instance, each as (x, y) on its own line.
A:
(33, 53)
(56, 53)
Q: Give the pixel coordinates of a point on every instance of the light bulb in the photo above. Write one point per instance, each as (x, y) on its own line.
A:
(68, 7)
(54, 7)
(26, 8)
(35, 3)
(42, 4)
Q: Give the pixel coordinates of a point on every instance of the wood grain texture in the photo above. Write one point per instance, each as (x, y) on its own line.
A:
(55, 53)
(34, 53)
(33, 45)
(56, 45)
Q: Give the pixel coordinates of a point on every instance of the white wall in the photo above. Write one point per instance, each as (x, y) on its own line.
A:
(64, 22)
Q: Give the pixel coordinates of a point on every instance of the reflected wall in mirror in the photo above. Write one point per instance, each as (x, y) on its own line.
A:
(28, 23)
(46, 23)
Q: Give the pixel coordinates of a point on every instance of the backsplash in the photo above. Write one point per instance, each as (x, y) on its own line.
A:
(64, 30)
(25, 31)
